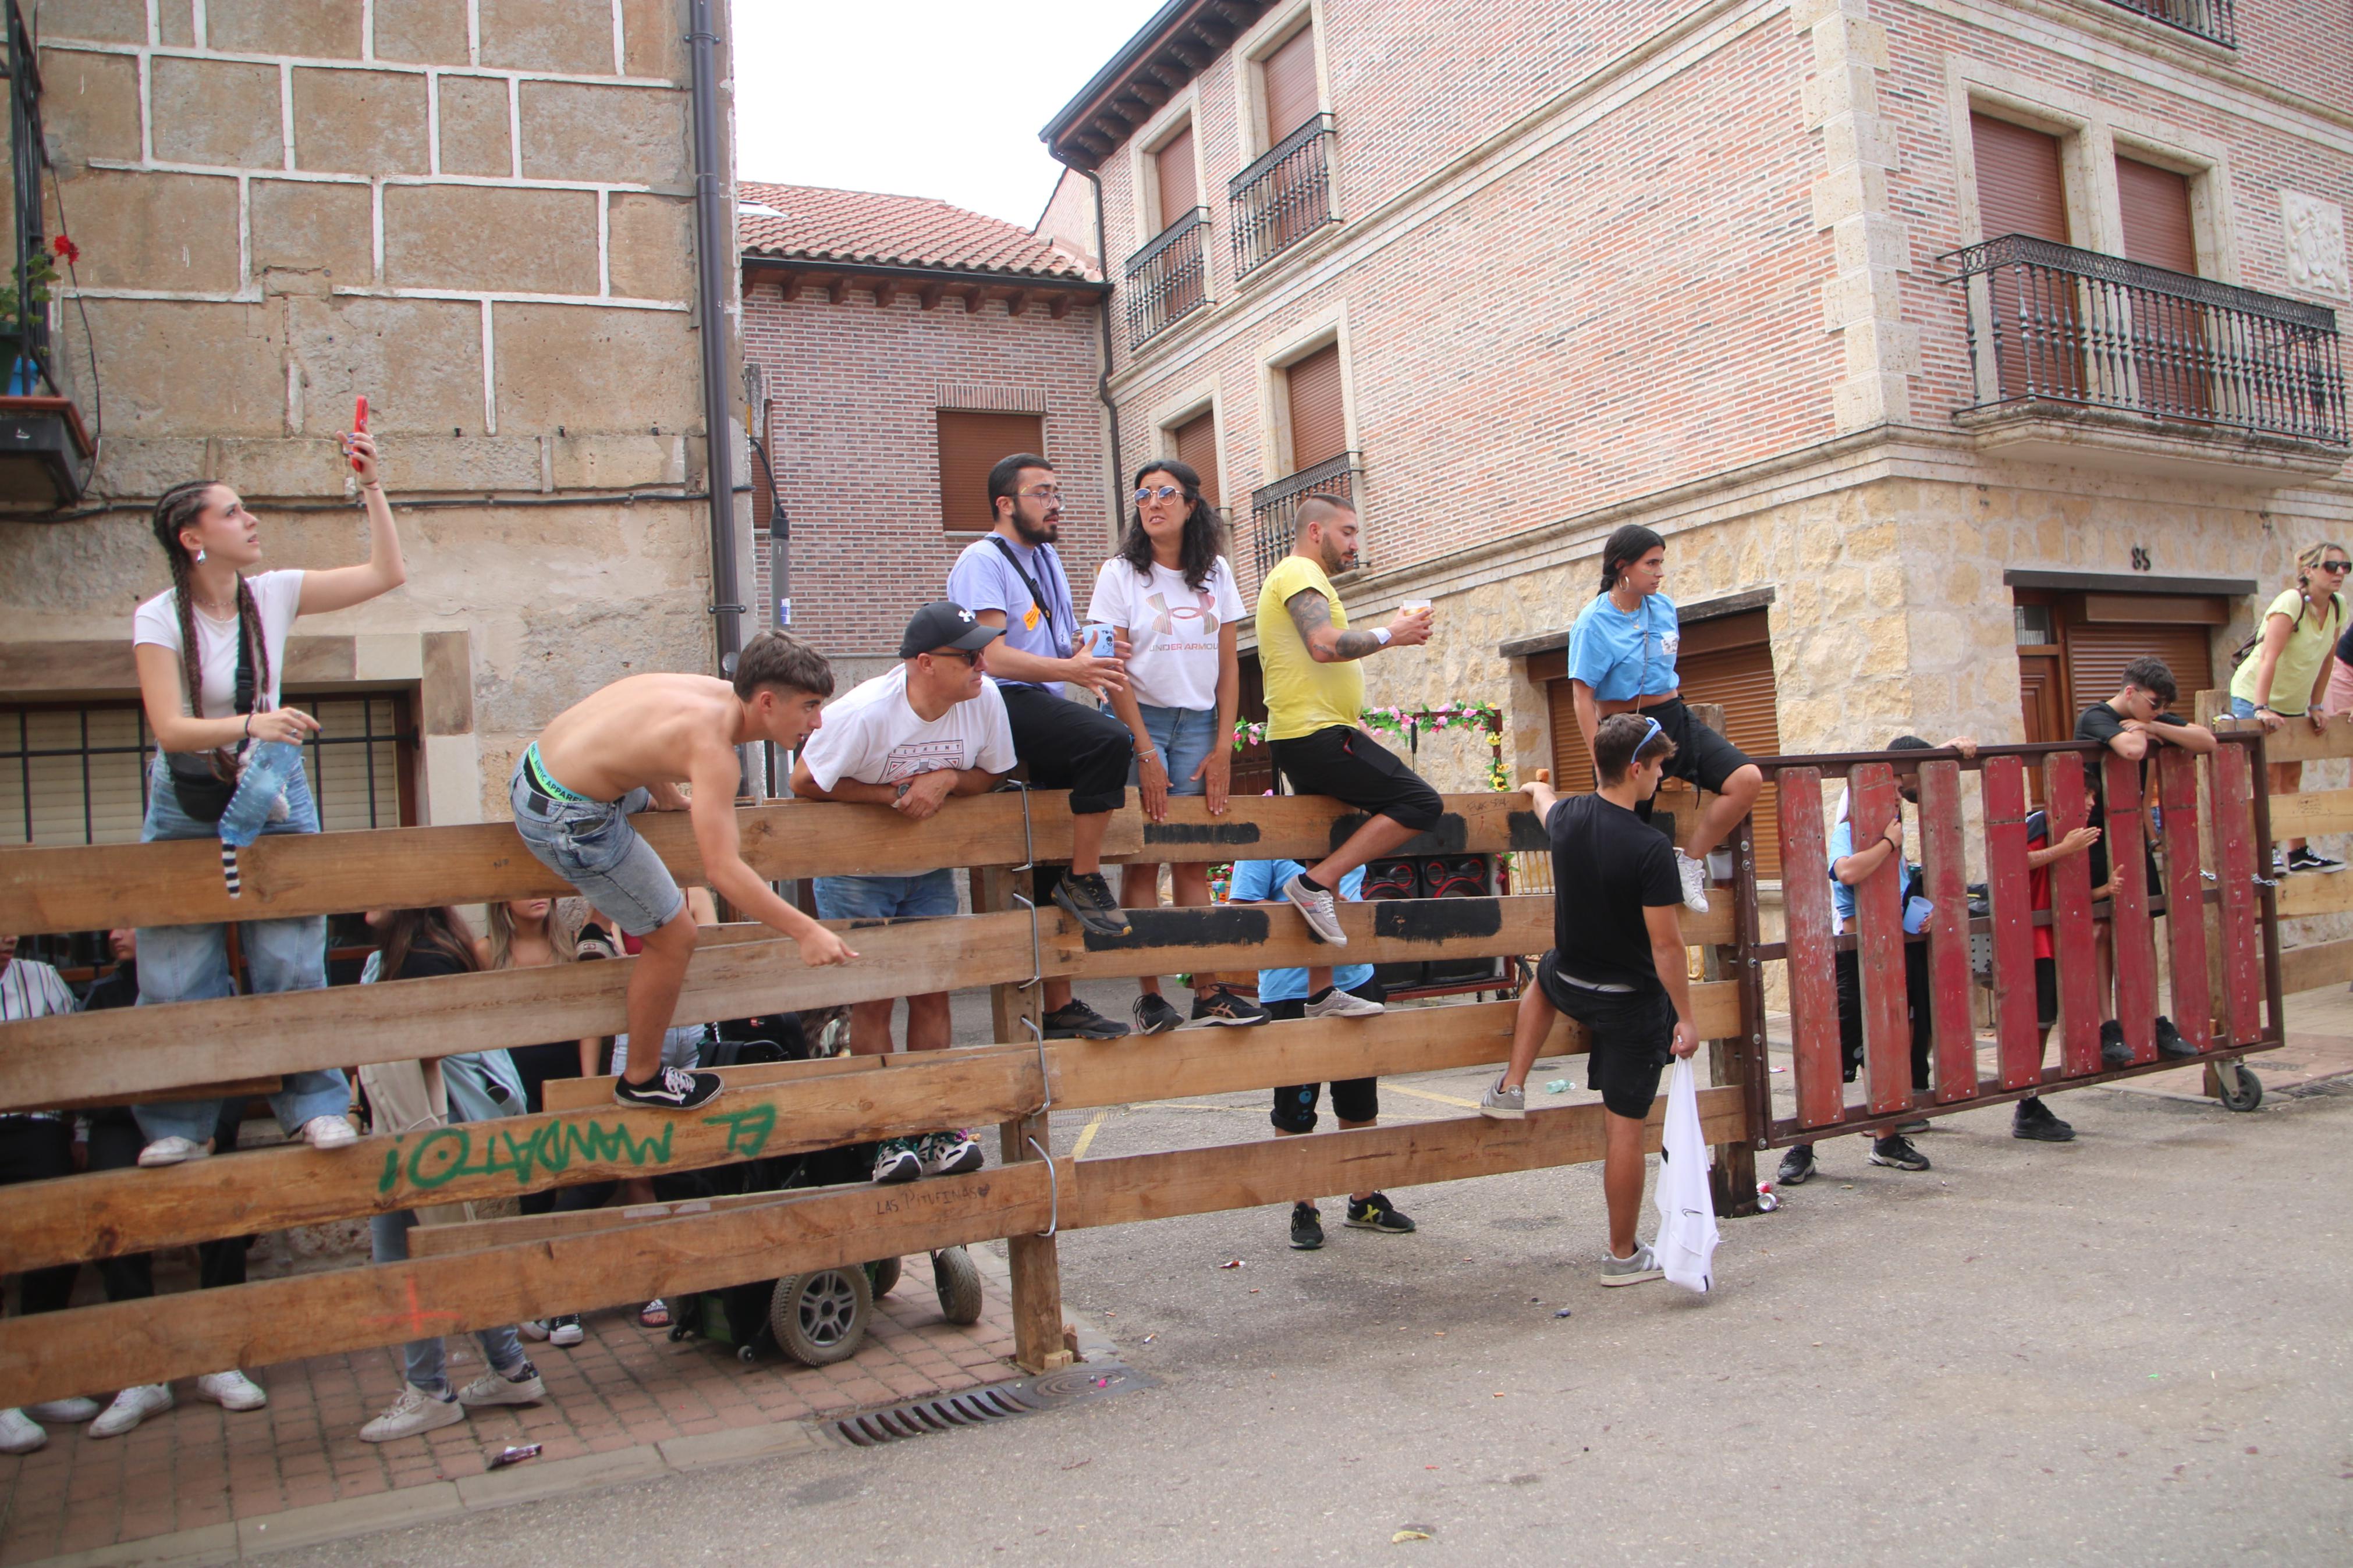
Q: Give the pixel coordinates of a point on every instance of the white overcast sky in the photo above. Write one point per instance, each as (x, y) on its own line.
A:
(920, 98)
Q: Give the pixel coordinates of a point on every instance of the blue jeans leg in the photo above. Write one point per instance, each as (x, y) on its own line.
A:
(428, 1360)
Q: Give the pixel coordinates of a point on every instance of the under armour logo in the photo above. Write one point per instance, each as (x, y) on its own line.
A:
(964, 615)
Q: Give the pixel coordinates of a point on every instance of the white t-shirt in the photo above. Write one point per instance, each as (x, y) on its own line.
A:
(1172, 629)
(279, 597)
(872, 735)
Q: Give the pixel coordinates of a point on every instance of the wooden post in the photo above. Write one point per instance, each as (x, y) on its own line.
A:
(1016, 1012)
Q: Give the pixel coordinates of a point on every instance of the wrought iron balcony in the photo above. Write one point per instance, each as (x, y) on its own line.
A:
(1283, 197)
(45, 450)
(1169, 278)
(2052, 324)
(1274, 508)
(2209, 19)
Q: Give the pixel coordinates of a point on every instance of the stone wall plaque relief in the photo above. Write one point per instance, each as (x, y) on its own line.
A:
(2315, 242)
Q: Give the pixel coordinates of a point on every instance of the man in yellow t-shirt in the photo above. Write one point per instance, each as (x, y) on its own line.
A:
(1315, 693)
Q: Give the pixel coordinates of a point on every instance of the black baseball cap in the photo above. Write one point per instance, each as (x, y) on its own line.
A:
(944, 623)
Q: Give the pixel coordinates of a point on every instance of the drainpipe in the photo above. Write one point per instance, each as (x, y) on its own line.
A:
(715, 257)
(1102, 383)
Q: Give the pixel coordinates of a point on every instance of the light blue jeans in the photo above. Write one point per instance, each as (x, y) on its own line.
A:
(429, 1360)
(190, 964)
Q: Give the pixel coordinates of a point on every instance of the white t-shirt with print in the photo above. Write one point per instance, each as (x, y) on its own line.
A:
(872, 735)
(277, 595)
(1172, 629)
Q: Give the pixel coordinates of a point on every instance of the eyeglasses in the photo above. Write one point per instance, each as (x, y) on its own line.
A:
(1042, 492)
(1157, 493)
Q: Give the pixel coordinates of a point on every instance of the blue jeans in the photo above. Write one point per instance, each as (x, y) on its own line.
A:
(2242, 709)
(1185, 737)
(590, 843)
(190, 964)
(886, 897)
(429, 1360)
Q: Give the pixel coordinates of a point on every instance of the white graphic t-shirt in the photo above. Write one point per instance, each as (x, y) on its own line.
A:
(872, 735)
(1173, 628)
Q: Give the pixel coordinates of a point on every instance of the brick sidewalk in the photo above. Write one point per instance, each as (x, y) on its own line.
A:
(625, 1386)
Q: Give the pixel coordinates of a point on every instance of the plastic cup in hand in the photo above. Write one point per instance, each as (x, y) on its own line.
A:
(1415, 607)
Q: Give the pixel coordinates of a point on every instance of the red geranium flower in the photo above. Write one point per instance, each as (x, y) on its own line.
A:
(66, 248)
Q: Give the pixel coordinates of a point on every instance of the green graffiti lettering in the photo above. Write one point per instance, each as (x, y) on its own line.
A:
(446, 1153)
(391, 1169)
(747, 1130)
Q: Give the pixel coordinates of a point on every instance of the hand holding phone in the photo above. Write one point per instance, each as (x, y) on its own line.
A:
(359, 426)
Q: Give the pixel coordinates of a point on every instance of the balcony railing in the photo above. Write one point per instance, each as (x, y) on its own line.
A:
(1169, 278)
(2209, 19)
(2049, 323)
(1274, 509)
(1283, 197)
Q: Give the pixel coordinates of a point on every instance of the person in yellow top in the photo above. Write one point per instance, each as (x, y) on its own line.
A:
(2288, 672)
(1315, 695)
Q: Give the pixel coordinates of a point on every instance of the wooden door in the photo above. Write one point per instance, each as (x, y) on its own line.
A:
(2037, 316)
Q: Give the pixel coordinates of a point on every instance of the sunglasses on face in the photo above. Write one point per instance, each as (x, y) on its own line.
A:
(2338, 566)
(966, 656)
(1157, 493)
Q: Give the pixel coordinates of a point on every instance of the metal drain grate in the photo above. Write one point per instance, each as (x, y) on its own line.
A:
(981, 1406)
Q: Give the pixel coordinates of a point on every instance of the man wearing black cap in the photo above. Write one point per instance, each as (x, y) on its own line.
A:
(930, 727)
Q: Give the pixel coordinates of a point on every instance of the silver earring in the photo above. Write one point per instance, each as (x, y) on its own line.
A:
(200, 557)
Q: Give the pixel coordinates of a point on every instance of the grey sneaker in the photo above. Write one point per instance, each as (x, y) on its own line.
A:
(1505, 1104)
(1632, 1270)
(1693, 874)
(495, 1387)
(1320, 912)
(1089, 900)
(1337, 1004)
(413, 1415)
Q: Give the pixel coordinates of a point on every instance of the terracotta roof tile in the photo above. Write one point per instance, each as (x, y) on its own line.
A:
(854, 227)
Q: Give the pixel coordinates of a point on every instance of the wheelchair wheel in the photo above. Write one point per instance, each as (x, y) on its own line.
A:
(819, 1319)
(957, 1279)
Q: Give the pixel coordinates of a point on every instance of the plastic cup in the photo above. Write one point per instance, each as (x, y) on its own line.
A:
(1415, 607)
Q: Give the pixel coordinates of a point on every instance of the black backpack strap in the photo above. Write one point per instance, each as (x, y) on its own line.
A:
(1037, 595)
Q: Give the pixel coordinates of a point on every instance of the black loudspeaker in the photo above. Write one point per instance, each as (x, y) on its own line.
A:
(1400, 878)
(1460, 876)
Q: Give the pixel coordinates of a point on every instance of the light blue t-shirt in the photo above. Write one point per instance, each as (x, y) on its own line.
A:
(1622, 657)
(1842, 845)
(1261, 882)
(983, 579)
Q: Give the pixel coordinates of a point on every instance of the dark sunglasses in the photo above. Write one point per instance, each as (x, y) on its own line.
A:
(2336, 565)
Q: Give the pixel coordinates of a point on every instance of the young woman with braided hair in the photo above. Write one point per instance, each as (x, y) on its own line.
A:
(210, 653)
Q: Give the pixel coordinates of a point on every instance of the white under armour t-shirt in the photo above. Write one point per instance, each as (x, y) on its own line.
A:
(1172, 629)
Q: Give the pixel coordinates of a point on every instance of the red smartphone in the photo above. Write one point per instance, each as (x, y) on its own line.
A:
(359, 424)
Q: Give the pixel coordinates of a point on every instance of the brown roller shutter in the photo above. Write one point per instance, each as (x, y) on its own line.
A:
(2097, 653)
(2169, 336)
(2020, 189)
(2156, 205)
(1179, 193)
(1319, 427)
(970, 444)
(1196, 441)
(1289, 76)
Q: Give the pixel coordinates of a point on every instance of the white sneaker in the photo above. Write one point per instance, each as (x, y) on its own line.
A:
(533, 1328)
(329, 1133)
(172, 1151)
(412, 1415)
(132, 1406)
(232, 1390)
(1695, 879)
(19, 1433)
(565, 1331)
(1322, 913)
(1339, 1003)
(63, 1412)
(495, 1387)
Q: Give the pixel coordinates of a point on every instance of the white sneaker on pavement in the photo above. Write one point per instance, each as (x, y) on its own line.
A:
(412, 1415)
(63, 1412)
(1695, 879)
(1338, 1003)
(329, 1133)
(1316, 905)
(19, 1433)
(495, 1387)
(172, 1151)
(232, 1390)
(132, 1406)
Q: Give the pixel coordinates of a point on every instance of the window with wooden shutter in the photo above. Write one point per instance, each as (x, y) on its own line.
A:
(1196, 441)
(2155, 203)
(2020, 186)
(2095, 635)
(971, 444)
(1319, 424)
(1180, 193)
(2022, 189)
(2168, 335)
(1288, 78)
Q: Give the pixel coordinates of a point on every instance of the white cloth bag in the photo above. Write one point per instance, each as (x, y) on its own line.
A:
(1685, 1245)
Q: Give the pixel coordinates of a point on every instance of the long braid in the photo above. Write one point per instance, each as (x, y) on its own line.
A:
(248, 626)
(176, 509)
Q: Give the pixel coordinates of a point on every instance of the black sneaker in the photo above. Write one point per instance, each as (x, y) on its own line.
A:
(1079, 1022)
(1908, 1128)
(2034, 1121)
(1088, 899)
(2113, 1052)
(2169, 1043)
(1224, 1007)
(672, 1089)
(1377, 1213)
(2305, 858)
(1796, 1166)
(1306, 1228)
(1895, 1151)
(1154, 1015)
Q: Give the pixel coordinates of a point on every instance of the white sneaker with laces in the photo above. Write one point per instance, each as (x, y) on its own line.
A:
(171, 1151)
(132, 1406)
(412, 1415)
(533, 1328)
(63, 1412)
(495, 1387)
(1694, 876)
(1317, 906)
(1339, 1003)
(329, 1133)
(19, 1433)
(232, 1390)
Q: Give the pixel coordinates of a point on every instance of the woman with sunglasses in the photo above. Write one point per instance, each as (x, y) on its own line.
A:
(1621, 659)
(2288, 675)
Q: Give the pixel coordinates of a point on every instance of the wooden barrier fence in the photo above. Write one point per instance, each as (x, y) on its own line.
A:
(2307, 812)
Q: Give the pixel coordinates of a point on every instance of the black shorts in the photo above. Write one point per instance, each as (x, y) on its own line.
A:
(1353, 1098)
(1352, 768)
(1630, 1033)
(2046, 992)
(1702, 757)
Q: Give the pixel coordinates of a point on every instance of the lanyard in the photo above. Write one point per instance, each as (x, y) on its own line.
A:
(1045, 605)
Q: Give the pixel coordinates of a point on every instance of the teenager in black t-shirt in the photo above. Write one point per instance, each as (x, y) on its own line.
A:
(1616, 965)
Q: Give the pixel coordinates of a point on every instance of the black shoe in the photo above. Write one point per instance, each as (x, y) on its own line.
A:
(672, 1089)
(2113, 1052)
(1911, 1127)
(1895, 1151)
(1796, 1166)
(1088, 899)
(1377, 1213)
(1154, 1016)
(1222, 1007)
(2034, 1121)
(1078, 1021)
(2169, 1043)
(2306, 859)
(1306, 1228)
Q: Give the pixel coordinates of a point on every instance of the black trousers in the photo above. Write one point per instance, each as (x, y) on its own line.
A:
(1065, 746)
(1848, 970)
(114, 1144)
(34, 1149)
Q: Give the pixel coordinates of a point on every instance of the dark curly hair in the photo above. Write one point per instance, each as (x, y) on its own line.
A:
(1197, 550)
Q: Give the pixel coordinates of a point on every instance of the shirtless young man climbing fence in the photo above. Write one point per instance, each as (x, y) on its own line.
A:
(627, 748)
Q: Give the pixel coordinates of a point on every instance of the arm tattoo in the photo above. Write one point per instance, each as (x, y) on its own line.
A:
(1311, 612)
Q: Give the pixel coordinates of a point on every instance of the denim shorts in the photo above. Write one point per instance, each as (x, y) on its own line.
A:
(1184, 737)
(590, 843)
(886, 897)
